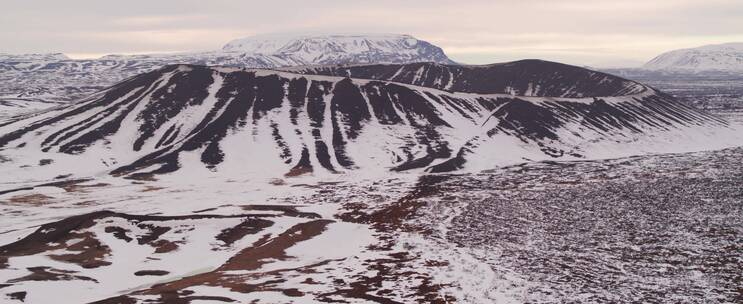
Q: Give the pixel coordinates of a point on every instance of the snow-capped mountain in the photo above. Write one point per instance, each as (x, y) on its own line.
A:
(421, 116)
(719, 57)
(341, 49)
(27, 79)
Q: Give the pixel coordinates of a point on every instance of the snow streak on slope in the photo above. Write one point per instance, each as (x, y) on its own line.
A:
(268, 123)
(720, 57)
(522, 78)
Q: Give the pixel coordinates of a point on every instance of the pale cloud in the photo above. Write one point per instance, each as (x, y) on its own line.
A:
(167, 40)
(614, 6)
(160, 20)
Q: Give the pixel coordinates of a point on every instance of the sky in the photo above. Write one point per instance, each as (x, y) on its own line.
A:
(599, 33)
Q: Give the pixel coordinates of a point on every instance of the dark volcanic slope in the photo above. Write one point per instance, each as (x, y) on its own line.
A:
(268, 122)
(521, 78)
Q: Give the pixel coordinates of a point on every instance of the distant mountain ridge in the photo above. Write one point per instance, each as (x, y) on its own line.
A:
(25, 79)
(726, 57)
(33, 56)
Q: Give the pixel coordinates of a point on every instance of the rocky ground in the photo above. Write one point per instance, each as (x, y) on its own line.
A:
(662, 229)
(654, 229)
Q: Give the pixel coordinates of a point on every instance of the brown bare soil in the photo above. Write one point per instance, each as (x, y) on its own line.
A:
(386, 221)
(394, 215)
(20, 296)
(154, 233)
(86, 203)
(76, 187)
(90, 252)
(31, 199)
(118, 232)
(151, 188)
(164, 246)
(299, 170)
(49, 274)
(286, 210)
(83, 247)
(149, 177)
(117, 300)
(151, 273)
(205, 210)
(236, 233)
(251, 258)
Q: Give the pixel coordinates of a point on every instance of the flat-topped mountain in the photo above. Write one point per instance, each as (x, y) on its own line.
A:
(341, 49)
(726, 57)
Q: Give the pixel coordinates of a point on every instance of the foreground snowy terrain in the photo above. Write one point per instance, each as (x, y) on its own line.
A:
(521, 182)
(655, 229)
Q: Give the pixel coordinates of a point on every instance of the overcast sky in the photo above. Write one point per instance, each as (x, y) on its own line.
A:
(584, 32)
